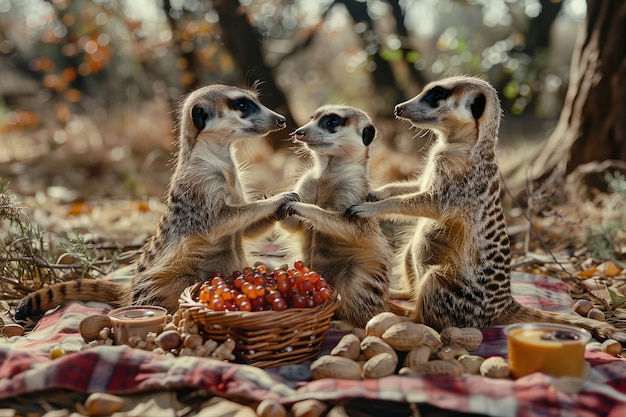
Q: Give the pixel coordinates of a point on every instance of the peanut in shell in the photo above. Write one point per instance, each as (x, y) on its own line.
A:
(451, 351)
(417, 356)
(404, 336)
(348, 347)
(377, 325)
(451, 368)
(379, 366)
(373, 345)
(471, 363)
(495, 367)
(338, 367)
(468, 337)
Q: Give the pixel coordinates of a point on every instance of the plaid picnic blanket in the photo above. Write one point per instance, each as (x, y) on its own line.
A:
(25, 368)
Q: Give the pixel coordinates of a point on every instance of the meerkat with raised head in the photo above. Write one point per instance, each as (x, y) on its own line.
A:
(353, 256)
(208, 213)
(456, 265)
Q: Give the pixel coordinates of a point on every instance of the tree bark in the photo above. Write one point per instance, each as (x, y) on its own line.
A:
(592, 124)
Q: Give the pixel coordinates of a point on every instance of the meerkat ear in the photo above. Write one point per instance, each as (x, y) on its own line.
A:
(478, 106)
(369, 132)
(199, 116)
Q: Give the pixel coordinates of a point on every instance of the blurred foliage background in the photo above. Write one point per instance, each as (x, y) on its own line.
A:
(89, 89)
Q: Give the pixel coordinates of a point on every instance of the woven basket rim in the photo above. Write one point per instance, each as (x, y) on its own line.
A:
(187, 301)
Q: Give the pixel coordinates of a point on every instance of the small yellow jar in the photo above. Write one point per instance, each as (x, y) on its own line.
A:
(554, 349)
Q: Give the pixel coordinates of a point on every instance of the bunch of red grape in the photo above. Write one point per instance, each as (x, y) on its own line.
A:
(254, 289)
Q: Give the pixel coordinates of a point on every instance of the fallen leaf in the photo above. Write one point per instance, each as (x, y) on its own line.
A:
(609, 269)
(78, 208)
(617, 300)
(588, 273)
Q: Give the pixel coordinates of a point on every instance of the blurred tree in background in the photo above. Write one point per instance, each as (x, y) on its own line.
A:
(590, 137)
(105, 60)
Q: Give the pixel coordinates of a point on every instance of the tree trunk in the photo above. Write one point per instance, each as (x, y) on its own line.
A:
(537, 35)
(403, 33)
(242, 42)
(592, 125)
(383, 77)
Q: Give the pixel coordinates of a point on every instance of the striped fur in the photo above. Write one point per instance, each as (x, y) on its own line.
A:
(455, 266)
(353, 256)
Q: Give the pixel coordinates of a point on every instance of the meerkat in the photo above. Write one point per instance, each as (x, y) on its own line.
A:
(208, 213)
(353, 256)
(456, 265)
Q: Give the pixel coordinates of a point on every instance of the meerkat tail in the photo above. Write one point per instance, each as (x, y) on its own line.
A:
(60, 293)
(517, 313)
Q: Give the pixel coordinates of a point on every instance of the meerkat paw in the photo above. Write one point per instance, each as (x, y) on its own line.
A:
(374, 196)
(286, 210)
(289, 197)
(358, 211)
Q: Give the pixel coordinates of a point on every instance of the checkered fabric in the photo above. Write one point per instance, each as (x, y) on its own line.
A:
(25, 368)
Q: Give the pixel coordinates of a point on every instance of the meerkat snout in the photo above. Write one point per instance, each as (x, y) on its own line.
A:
(281, 122)
(297, 135)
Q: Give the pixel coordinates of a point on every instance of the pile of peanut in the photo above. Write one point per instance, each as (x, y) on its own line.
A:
(180, 337)
(374, 352)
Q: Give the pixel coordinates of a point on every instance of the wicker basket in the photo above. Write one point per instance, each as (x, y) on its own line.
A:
(264, 338)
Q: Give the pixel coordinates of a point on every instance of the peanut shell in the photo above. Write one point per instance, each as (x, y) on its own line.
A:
(471, 363)
(451, 351)
(377, 325)
(271, 408)
(379, 366)
(373, 345)
(495, 367)
(404, 336)
(451, 368)
(103, 404)
(13, 329)
(417, 356)
(168, 340)
(90, 326)
(329, 366)
(309, 408)
(348, 347)
(431, 336)
(467, 337)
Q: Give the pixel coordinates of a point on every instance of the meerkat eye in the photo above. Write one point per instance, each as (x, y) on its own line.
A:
(331, 122)
(243, 105)
(436, 94)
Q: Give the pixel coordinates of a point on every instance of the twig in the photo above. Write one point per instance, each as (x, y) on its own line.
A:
(16, 284)
(571, 278)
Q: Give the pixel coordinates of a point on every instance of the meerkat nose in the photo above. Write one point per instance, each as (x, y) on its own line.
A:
(298, 134)
(281, 122)
(398, 111)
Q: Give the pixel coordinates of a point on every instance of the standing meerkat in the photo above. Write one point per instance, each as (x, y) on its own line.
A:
(457, 263)
(208, 213)
(353, 256)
